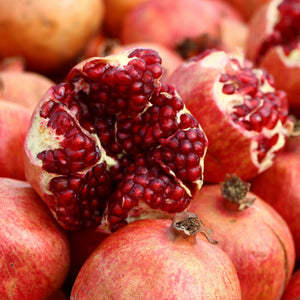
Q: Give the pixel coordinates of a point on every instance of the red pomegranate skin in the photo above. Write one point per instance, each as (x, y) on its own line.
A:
(144, 260)
(34, 251)
(257, 240)
(292, 291)
(279, 186)
(14, 123)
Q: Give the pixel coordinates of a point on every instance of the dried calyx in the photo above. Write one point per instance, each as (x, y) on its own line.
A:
(187, 224)
(235, 190)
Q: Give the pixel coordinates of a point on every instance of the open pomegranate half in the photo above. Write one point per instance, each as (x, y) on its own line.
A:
(274, 44)
(113, 144)
(243, 115)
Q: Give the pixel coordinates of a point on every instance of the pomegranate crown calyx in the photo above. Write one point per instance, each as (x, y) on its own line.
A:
(235, 190)
(188, 224)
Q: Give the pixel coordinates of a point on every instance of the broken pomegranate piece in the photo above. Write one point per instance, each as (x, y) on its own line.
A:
(243, 115)
(274, 44)
(113, 144)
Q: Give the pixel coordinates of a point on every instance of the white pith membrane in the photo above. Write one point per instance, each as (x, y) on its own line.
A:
(41, 138)
(227, 102)
(273, 17)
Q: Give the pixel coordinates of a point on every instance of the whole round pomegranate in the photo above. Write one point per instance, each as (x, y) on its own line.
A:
(34, 250)
(48, 34)
(243, 115)
(187, 26)
(279, 186)
(115, 13)
(247, 8)
(274, 44)
(158, 259)
(14, 124)
(25, 88)
(292, 291)
(113, 144)
(252, 233)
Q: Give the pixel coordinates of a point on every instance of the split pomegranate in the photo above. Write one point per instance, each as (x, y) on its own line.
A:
(244, 117)
(274, 44)
(113, 144)
(279, 186)
(158, 259)
(252, 233)
(187, 26)
(293, 289)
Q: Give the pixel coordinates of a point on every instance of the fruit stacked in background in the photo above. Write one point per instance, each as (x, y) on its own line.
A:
(216, 51)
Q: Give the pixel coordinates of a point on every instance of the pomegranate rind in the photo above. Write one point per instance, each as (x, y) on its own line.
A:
(232, 149)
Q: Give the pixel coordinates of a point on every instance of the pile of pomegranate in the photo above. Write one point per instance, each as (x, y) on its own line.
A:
(150, 149)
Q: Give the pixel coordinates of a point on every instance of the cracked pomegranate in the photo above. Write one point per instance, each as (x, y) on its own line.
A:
(158, 259)
(243, 115)
(274, 44)
(252, 233)
(113, 144)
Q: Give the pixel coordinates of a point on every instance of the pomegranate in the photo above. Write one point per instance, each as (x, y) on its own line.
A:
(24, 87)
(82, 244)
(34, 250)
(244, 117)
(15, 64)
(115, 12)
(279, 186)
(158, 259)
(247, 8)
(252, 233)
(48, 34)
(14, 123)
(113, 144)
(274, 44)
(292, 291)
(188, 26)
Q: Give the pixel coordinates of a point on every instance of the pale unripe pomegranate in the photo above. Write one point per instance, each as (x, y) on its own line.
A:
(242, 113)
(113, 144)
(47, 34)
(158, 259)
(252, 233)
